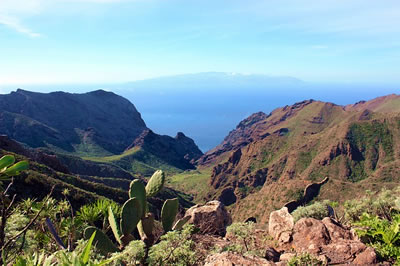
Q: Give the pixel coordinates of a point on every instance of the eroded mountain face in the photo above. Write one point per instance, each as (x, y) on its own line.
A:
(269, 159)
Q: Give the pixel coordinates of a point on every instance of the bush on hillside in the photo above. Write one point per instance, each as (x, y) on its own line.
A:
(317, 210)
(385, 204)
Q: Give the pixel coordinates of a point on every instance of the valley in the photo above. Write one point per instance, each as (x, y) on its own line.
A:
(297, 155)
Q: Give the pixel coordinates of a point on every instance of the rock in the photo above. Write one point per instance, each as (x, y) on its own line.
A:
(211, 218)
(309, 235)
(343, 251)
(232, 259)
(331, 239)
(281, 225)
(272, 255)
(336, 230)
(287, 256)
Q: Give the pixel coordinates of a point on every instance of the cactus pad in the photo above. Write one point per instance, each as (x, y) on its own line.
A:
(130, 215)
(155, 183)
(168, 213)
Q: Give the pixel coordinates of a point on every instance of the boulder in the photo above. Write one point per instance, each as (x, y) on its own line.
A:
(211, 218)
(331, 239)
(232, 259)
(309, 235)
(280, 225)
(336, 230)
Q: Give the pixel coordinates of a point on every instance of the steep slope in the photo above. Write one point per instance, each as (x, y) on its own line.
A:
(94, 122)
(151, 151)
(269, 159)
(99, 126)
(47, 170)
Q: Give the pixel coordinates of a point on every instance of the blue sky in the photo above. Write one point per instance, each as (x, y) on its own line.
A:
(106, 41)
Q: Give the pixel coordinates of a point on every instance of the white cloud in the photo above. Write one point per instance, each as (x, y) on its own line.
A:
(14, 23)
(14, 12)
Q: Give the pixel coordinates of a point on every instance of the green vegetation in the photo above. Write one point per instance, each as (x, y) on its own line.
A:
(381, 234)
(295, 194)
(368, 137)
(193, 182)
(377, 221)
(175, 248)
(138, 161)
(379, 204)
(134, 214)
(243, 239)
(305, 259)
(317, 210)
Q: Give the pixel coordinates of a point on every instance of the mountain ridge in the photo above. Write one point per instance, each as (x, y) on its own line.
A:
(268, 160)
(97, 124)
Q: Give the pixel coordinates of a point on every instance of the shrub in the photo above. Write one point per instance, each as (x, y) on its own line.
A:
(305, 259)
(133, 254)
(384, 204)
(243, 238)
(175, 248)
(382, 234)
(318, 210)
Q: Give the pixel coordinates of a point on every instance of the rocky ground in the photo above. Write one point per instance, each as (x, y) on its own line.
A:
(326, 241)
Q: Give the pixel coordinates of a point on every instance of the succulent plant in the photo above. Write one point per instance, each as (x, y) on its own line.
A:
(8, 168)
(135, 214)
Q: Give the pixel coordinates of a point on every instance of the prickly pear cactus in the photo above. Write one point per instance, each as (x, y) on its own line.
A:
(137, 190)
(155, 183)
(168, 213)
(102, 242)
(130, 215)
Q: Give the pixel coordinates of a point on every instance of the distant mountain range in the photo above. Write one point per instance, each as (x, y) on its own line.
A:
(213, 80)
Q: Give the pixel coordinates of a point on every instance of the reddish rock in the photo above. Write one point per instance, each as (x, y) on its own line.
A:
(232, 259)
(331, 239)
(367, 257)
(336, 230)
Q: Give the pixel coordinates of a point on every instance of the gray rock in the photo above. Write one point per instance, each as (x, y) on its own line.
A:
(280, 225)
(211, 218)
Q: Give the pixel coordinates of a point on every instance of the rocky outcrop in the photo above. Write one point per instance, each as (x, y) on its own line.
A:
(331, 239)
(211, 218)
(232, 259)
(180, 151)
(310, 192)
(217, 177)
(280, 225)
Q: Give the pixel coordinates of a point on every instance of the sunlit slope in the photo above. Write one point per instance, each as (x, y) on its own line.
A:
(271, 158)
